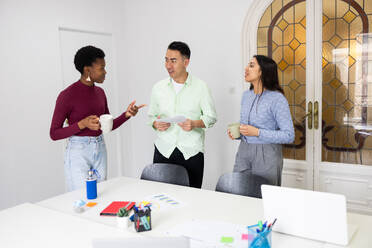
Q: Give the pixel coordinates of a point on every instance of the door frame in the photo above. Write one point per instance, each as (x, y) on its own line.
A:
(296, 173)
(354, 181)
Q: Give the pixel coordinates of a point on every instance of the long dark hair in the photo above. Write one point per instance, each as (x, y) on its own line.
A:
(269, 73)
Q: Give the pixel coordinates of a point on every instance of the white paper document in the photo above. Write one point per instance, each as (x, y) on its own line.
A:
(209, 233)
(163, 202)
(175, 119)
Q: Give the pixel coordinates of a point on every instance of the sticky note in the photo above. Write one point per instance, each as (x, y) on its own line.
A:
(91, 204)
(244, 236)
(79, 203)
(227, 239)
(250, 237)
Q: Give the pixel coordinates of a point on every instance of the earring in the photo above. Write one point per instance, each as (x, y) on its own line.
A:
(88, 79)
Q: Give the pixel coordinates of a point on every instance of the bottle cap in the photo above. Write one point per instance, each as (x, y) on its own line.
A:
(90, 175)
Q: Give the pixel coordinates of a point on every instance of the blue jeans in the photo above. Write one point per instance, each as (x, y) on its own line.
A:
(84, 153)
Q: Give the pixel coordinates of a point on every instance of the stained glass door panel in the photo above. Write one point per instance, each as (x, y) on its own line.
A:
(347, 82)
(281, 35)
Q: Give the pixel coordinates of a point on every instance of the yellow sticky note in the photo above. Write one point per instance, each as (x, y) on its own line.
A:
(91, 204)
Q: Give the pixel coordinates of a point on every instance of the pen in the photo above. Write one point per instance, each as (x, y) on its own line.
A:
(272, 224)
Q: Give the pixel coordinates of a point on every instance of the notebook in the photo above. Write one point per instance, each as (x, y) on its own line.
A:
(309, 214)
(113, 208)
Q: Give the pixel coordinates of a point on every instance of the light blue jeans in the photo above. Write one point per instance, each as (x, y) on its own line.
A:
(84, 153)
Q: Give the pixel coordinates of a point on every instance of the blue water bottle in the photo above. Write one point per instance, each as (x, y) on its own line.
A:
(91, 186)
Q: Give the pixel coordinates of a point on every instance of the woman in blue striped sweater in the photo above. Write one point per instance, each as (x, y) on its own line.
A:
(265, 122)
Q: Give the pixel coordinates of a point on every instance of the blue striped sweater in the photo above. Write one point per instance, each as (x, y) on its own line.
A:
(270, 113)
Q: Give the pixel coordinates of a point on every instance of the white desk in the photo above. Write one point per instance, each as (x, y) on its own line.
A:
(29, 225)
(225, 207)
(54, 224)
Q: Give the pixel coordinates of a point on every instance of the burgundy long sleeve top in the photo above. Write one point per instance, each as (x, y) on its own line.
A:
(74, 104)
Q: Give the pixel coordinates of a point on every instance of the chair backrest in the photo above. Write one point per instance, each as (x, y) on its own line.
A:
(239, 183)
(166, 173)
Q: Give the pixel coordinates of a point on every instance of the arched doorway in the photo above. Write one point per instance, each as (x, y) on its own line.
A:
(324, 55)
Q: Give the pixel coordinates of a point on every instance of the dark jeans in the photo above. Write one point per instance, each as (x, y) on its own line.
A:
(194, 165)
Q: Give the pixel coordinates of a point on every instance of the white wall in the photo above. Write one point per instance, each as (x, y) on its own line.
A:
(31, 165)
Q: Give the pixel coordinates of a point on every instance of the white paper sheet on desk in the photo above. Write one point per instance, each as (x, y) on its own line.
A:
(175, 119)
(209, 233)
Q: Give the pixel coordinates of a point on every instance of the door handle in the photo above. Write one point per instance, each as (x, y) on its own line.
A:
(309, 115)
(316, 115)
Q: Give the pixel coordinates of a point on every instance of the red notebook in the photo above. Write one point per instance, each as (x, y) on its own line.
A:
(114, 207)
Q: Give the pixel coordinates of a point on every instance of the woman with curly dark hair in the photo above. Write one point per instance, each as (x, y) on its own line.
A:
(81, 104)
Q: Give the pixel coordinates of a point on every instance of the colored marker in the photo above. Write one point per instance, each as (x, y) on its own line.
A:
(260, 225)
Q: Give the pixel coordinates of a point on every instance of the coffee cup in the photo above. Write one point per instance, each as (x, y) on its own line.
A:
(106, 122)
(234, 129)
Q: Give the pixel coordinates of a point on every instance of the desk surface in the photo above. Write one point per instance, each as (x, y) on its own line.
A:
(29, 225)
(225, 207)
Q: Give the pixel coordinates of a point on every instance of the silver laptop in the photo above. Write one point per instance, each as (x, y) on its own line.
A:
(309, 214)
(138, 242)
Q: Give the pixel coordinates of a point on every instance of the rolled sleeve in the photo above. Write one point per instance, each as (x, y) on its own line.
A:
(209, 115)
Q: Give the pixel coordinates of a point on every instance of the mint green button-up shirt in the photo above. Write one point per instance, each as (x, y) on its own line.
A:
(195, 102)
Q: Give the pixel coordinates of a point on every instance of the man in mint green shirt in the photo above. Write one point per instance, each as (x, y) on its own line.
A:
(181, 95)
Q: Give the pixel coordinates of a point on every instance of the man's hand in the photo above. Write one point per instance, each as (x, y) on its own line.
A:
(248, 130)
(187, 125)
(91, 122)
(133, 109)
(161, 126)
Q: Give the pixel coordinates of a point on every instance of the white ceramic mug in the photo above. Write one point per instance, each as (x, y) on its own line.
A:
(106, 122)
(234, 129)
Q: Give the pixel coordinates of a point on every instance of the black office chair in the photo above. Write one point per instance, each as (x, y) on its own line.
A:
(166, 173)
(239, 183)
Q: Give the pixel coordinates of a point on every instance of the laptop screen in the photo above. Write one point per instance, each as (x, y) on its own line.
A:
(309, 214)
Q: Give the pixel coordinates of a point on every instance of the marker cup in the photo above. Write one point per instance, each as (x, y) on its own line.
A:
(259, 239)
(142, 220)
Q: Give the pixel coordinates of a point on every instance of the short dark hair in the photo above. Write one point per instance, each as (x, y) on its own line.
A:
(85, 56)
(182, 47)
